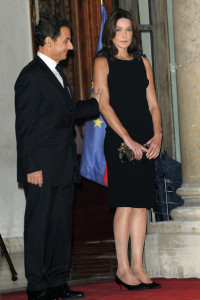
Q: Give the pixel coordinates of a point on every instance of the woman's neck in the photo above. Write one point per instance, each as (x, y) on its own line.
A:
(123, 54)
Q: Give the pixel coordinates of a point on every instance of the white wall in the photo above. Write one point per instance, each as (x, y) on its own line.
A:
(15, 53)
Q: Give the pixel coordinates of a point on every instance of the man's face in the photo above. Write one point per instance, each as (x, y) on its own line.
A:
(61, 45)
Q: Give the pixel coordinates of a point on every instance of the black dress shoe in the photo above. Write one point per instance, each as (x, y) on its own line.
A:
(64, 292)
(129, 287)
(40, 295)
(37, 295)
(152, 285)
(72, 295)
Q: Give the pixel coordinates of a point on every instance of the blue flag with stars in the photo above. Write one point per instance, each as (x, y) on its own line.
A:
(93, 162)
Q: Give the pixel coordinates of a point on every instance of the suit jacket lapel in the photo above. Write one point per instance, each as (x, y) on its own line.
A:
(55, 81)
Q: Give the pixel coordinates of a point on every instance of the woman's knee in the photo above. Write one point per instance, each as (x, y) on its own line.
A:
(139, 211)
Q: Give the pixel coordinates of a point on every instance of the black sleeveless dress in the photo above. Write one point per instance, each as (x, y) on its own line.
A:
(129, 185)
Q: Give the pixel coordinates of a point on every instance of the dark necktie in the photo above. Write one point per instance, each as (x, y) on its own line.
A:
(65, 83)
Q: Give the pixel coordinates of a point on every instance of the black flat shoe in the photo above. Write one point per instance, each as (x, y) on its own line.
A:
(128, 286)
(153, 285)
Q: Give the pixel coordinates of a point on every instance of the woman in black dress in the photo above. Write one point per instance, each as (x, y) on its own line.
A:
(130, 108)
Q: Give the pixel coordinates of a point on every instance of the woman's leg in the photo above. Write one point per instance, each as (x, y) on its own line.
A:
(121, 233)
(138, 221)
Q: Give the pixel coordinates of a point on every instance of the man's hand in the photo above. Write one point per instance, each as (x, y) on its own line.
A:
(97, 95)
(35, 178)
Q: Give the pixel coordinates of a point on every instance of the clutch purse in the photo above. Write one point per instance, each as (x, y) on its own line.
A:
(127, 155)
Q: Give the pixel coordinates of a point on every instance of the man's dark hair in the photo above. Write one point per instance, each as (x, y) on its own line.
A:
(109, 32)
(49, 27)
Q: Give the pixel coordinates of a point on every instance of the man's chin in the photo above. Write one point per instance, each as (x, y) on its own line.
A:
(64, 57)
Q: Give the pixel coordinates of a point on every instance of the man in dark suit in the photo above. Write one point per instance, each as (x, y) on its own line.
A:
(47, 161)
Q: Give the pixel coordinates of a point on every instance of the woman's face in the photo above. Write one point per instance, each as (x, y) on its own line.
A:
(124, 33)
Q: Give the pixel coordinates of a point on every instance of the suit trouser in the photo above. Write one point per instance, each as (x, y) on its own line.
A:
(47, 234)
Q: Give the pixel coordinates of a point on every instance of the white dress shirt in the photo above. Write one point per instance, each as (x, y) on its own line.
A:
(52, 66)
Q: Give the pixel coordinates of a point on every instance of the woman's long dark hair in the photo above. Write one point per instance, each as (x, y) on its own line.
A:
(109, 32)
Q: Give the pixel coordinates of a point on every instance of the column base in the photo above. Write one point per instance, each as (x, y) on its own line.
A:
(172, 249)
(191, 208)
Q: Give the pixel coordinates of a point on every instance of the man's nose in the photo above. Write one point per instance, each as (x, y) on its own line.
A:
(70, 45)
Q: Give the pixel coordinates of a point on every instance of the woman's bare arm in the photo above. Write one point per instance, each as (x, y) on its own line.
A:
(155, 142)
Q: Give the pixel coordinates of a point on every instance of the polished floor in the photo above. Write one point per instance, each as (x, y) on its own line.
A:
(90, 261)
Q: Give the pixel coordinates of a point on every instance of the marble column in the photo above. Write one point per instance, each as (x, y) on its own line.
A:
(187, 50)
(172, 248)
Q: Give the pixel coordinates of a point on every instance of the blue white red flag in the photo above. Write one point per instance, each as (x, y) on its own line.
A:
(93, 162)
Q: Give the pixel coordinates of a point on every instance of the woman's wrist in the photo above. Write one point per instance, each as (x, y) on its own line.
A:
(157, 131)
(158, 134)
(157, 127)
(125, 136)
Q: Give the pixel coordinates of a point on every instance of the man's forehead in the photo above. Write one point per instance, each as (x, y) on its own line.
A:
(65, 30)
(65, 33)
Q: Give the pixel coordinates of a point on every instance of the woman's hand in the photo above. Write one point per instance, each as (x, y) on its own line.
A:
(135, 147)
(155, 145)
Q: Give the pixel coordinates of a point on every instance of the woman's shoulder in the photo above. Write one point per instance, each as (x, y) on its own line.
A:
(140, 57)
(146, 63)
(101, 61)
(101, 66)
(145, 60)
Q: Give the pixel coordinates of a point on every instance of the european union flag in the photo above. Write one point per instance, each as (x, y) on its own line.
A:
(93, 161)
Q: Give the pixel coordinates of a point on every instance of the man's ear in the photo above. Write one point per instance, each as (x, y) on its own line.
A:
(48, 41)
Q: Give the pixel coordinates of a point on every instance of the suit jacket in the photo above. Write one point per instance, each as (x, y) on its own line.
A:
(45, 114)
